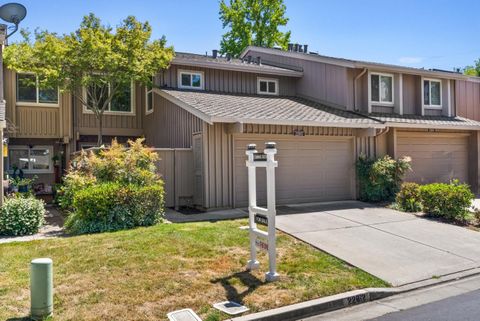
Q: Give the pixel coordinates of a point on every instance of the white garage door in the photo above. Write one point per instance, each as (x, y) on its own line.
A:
(436, 157)
(309, 170)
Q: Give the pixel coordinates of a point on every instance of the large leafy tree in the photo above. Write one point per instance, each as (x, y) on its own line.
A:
(252, 22)
(94, 63)
(473, 70)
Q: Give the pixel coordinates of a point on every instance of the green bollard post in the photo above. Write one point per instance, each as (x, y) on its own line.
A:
(41, 288)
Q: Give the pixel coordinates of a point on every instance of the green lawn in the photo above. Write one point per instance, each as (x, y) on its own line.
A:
(144, 273)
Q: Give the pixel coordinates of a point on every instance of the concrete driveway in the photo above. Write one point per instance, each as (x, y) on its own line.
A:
(394, 246)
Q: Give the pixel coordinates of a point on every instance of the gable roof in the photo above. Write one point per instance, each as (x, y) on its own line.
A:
(360, 64)
(189, 59)
(217, 107)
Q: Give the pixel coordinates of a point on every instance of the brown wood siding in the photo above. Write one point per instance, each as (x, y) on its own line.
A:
(412, 102)
(227, 81)
(170, 126)
(113, 124)
(36, 121)
(467, 99)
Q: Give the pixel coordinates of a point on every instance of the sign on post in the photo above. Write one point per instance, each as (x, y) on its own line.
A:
(260, 239)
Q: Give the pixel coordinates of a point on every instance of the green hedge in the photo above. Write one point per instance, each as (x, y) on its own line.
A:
(450, 201)
(409, 198)
(21, 216)
(113, 206)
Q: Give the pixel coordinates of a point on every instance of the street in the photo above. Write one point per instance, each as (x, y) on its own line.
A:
(452, 301)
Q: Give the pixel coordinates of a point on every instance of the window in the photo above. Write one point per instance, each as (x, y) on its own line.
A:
(37, 159)
(30, 92)
(190, 80)
(149, 98)
(122, 102)
(267, 86)
(432, 93)
(381, 89)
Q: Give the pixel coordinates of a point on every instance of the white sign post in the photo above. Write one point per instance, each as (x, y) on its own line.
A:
(264, 216)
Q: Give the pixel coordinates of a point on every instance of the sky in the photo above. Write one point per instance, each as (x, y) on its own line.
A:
(440, 34)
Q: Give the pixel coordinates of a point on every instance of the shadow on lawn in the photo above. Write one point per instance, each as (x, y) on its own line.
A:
(245, 278)
(19, 319)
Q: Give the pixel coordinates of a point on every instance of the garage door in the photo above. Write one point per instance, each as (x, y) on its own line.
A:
(309, 170)
(436, 157)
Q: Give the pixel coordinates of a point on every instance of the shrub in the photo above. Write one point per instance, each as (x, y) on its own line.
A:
(21, 216)
(408, 198)
(112, 206)
(73, 182)
(380, 178)
(450, 201)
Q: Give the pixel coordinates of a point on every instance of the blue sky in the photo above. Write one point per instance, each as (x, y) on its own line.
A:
(418, 33)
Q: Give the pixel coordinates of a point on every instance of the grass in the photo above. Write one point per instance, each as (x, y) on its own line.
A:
(144, 273)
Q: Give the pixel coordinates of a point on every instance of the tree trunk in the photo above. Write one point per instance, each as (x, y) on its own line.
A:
(100, 130)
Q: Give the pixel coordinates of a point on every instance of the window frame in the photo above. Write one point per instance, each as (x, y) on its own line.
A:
(110, 112)
(380, 102)
(147, 92)
(37, 91)
(275, 80)
(30, 170)
(430, 106)
(191, 72)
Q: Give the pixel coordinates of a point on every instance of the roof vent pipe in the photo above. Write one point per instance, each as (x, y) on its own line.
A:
(249, 59)
(305, 48)
(229, 57)
(295, 47)
(290, 47)
(300, 48)
(259, 60)
(214, 53)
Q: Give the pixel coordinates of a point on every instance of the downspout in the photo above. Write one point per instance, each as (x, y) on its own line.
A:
(355, 88)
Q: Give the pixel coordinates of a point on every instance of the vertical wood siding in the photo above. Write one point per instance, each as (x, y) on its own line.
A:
(170, 126)
(227, 81)
(467, 99)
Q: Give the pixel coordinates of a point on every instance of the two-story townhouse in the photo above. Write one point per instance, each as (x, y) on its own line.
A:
(322, 112)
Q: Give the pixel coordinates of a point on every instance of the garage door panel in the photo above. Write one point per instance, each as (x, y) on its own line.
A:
(435, 158)
(309, 170)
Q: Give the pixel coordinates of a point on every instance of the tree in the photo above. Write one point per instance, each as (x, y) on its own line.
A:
(252, 22)
(94, 63)
(473, 70)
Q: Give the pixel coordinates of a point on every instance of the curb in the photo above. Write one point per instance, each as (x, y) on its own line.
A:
(318, 306)
(343, 300)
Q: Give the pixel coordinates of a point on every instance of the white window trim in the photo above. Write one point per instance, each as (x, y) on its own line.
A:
(191, 72)
(148, 112)
(108, 111)
(37, 87)
(430, 106)
(260, 79)
(33, 171)
(380, 103)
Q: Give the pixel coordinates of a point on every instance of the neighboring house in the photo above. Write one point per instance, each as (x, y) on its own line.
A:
(322, 112)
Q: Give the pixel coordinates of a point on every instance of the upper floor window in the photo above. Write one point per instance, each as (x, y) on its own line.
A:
(190, 79)
(37, 159)
(149, 98)
(381, 88)
(432, 93)
(122, 101)
(267, 86)
(30, 92)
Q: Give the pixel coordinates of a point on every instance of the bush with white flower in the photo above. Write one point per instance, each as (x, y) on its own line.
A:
(21, 216)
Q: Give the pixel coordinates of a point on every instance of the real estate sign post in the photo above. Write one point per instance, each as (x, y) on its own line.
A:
(264, 216)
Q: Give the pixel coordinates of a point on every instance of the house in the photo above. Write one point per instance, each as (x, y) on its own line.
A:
(322, 112)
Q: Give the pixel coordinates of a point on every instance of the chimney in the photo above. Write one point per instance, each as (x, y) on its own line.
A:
(295, 47)
(305, 48)
(249, 59)
(290, 46)
(259, 60)
(300, 48)
(214, 53)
